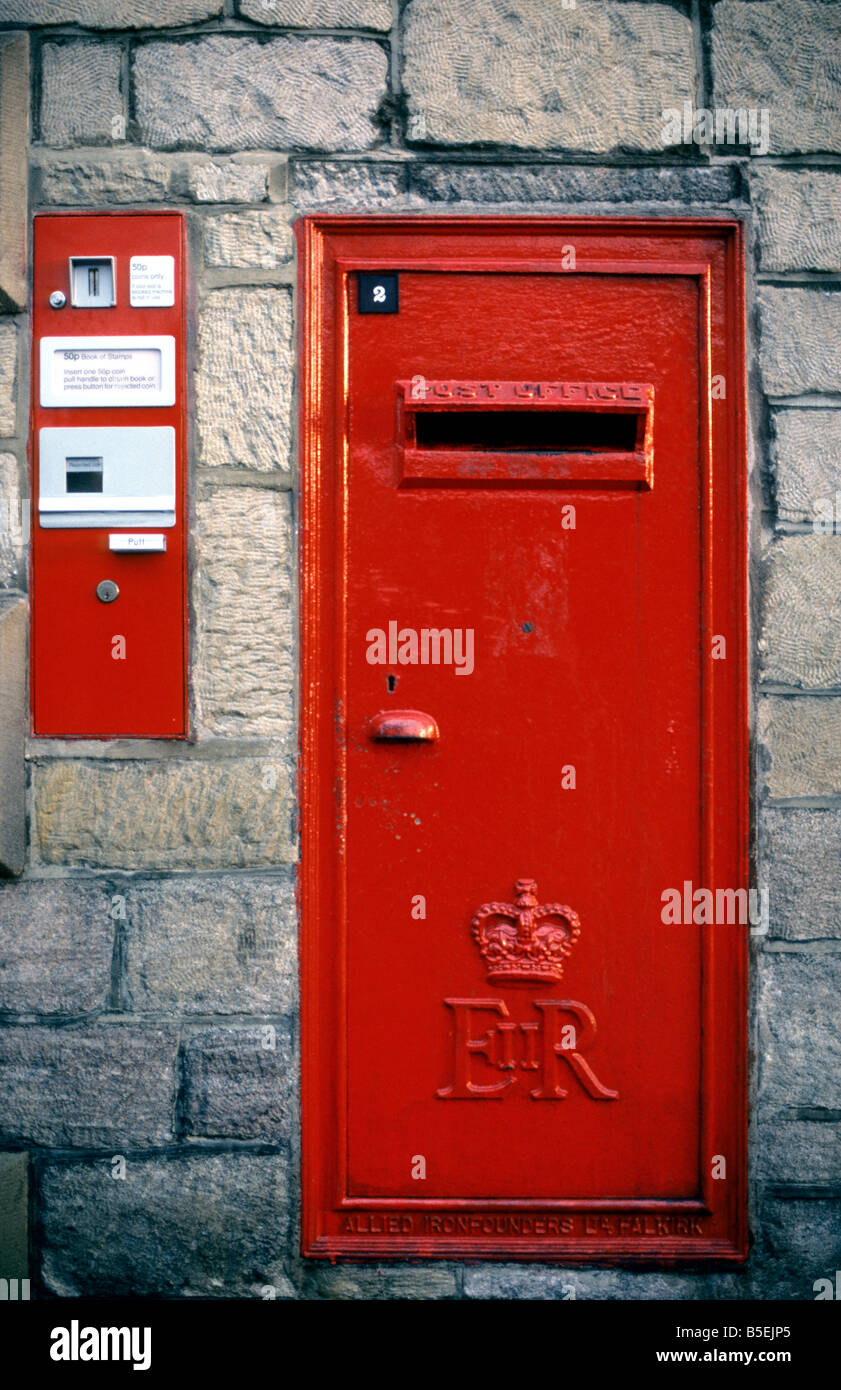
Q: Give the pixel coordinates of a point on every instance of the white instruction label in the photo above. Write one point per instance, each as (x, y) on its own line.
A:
(152, 282)
(104, 372)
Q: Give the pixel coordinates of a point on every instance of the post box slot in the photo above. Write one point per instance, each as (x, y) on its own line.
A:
(525, 434)
(84, 475)
(525, 431)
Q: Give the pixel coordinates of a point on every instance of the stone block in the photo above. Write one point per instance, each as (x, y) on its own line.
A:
(241, 1083)
(801, 852)
(798, 218)
(245, 674)
(56, 939)
(202, 1226)
(521, 73)
(171, 815)
(90, 1086)
(81, 100)
(800, 643)
(800, 340)
(244, 378)
(261, 240)
(288, 93)
(212, 944)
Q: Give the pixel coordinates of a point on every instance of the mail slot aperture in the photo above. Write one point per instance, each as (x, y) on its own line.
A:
(525, 433)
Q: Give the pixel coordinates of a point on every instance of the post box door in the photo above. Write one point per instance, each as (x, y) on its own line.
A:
(521, 1034)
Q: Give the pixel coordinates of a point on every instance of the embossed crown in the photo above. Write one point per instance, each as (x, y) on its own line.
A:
(525, 940)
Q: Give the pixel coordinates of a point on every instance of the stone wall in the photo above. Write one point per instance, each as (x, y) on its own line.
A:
(148, 968)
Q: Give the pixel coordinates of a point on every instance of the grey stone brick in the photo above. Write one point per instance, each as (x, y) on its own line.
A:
(109, 14)
(801, 631)
(799, 1151)
(800, 1242)
(8, 375)
(81, 101)
(171, 815)
(245, 673)
(558, 183)
(210, 1225)
(781, 56)
(800, 1043)
(327, 183)
(56, 937)
(244, 378)
(289, 93)
(249, 239)
(319, 14)
(240, 1083)
(212, 944)
(535, 76)
(14, 1215)
(90, 1086)
(798, 218)
(806, 455)
(12, 550)
(801, 857)
(381, 1282)
(13, 727)
(218, 181)
(533, 1282)
(800, 344)
(122, 177)
(801, 738)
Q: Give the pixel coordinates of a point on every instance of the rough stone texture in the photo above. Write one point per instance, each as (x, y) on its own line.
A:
(109, 14)
(96, 1086)
(535, 1282)
(81, 101)
(799, 1151)
(350, 1281)
(214, 944)
(8, 375)
(12, 551)
(14, 174)
(210, 1225)
(801, 632)
(168, 815)
(801, 852)
(801, 1241)
(537, 76)
(240, 1083)
(56, 938)
(800, 344)
(217, 182)
(245, 674)
(289, 93)
(557, 183)
(130, 177)
(781, 56)
(798, 218)
(14, 1222)
(244, 378)
(258, 239)
(324, 183)
(806, 456)
(800, 1042)
(801, 739)
(319, 14)
(13, 727)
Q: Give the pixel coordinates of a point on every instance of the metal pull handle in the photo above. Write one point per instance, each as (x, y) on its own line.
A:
(403, 725)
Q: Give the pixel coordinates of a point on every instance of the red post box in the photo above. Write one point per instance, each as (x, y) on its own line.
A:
(108, 409)
(525, 884)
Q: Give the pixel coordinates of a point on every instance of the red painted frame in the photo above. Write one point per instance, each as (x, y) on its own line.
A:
(712, 251)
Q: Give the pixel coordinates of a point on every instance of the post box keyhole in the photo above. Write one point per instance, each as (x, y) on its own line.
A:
(391, 682)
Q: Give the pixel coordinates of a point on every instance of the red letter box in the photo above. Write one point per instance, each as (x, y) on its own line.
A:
(525, 879)
(108, 563)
